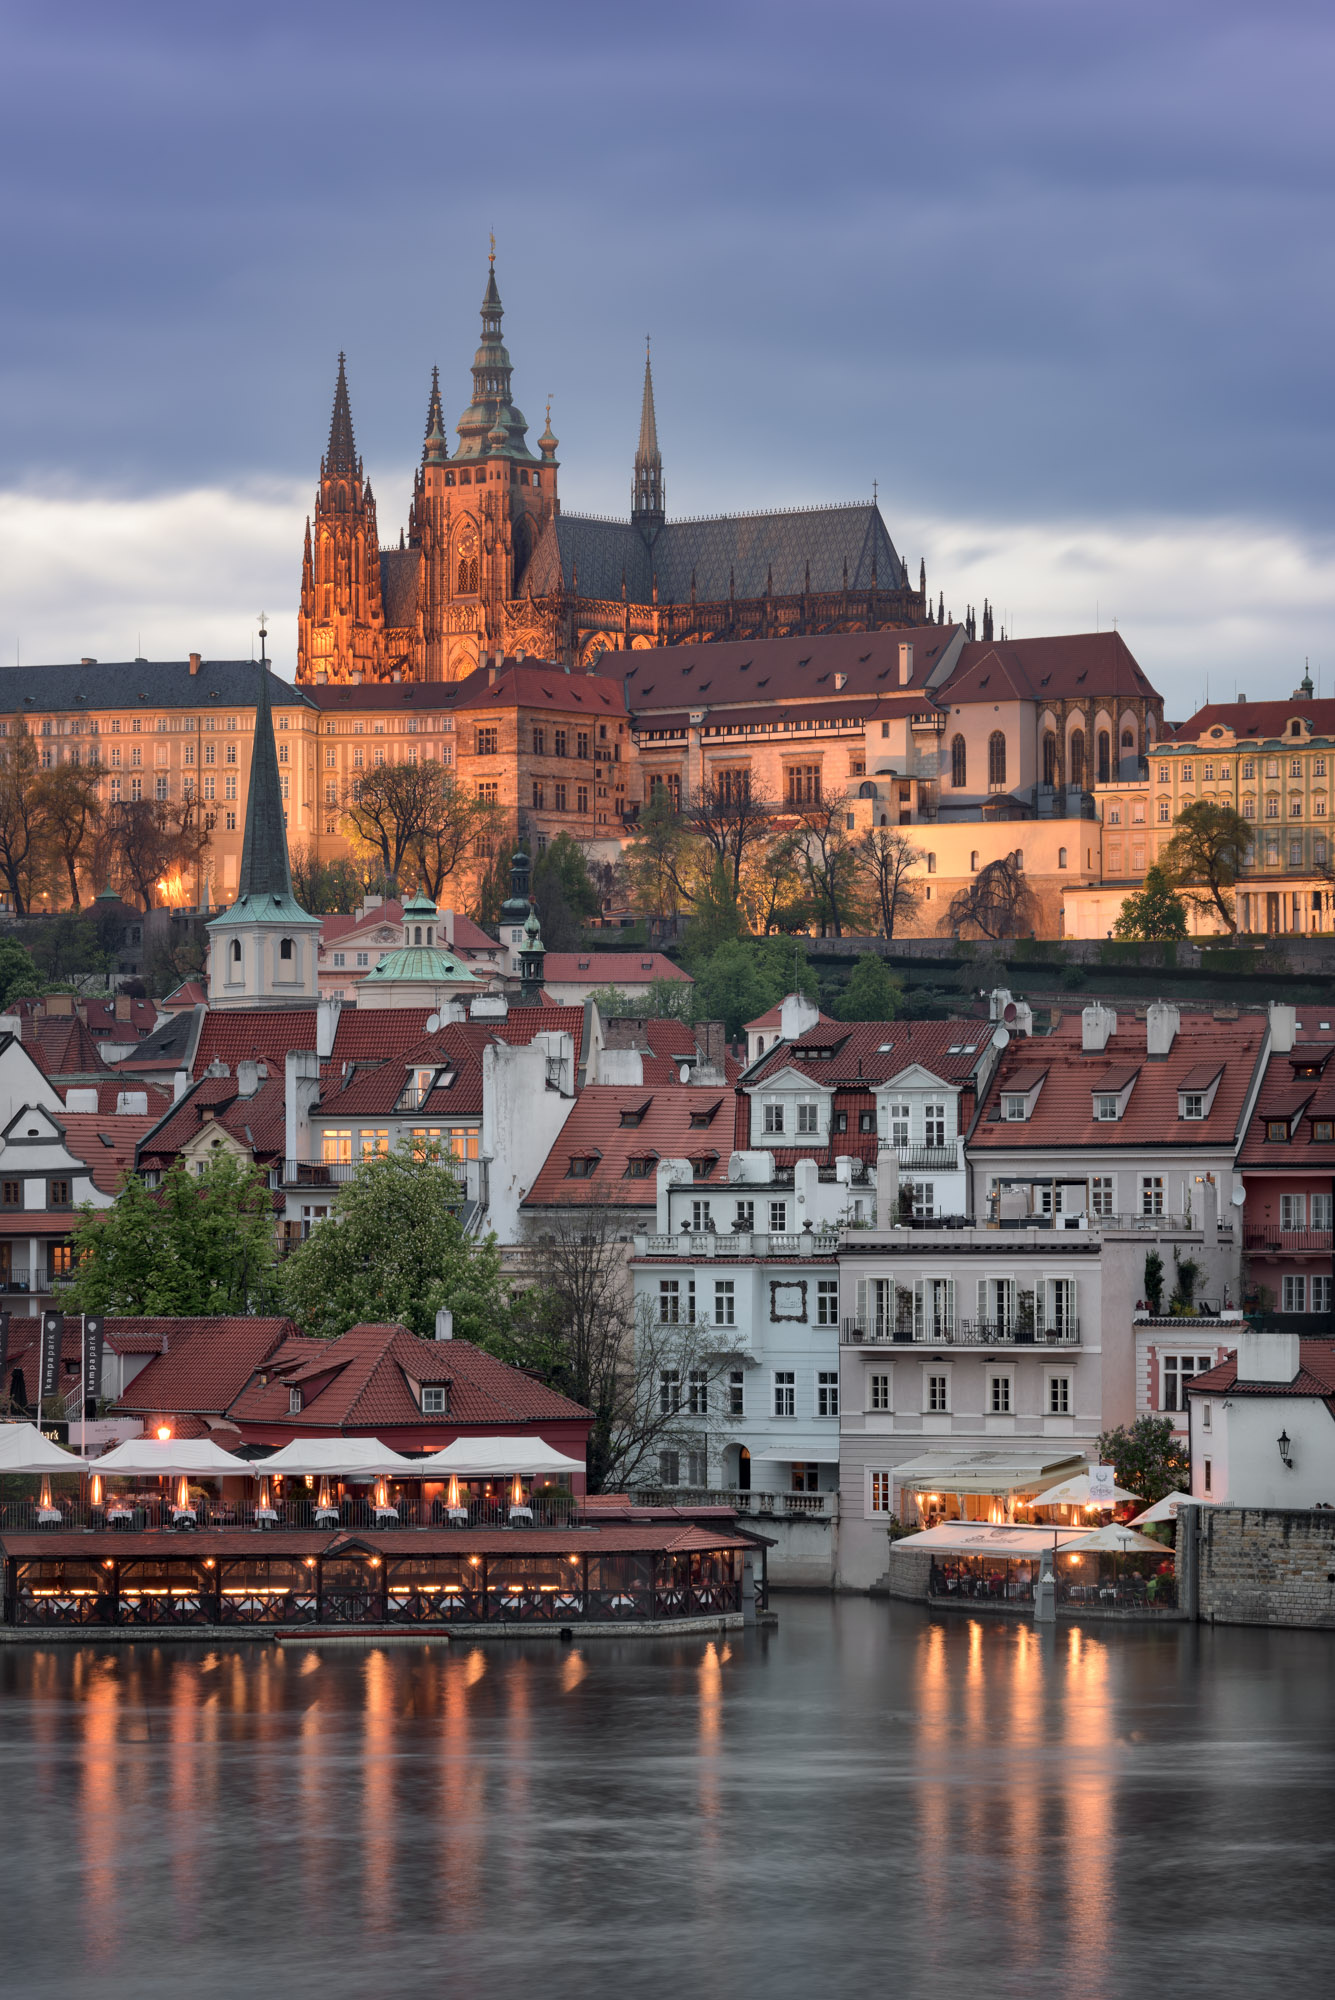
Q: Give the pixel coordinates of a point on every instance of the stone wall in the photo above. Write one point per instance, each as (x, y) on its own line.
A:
(1262, 1566)
(909, 1575)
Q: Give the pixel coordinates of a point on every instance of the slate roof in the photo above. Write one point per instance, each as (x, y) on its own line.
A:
(594, 1131)
(1063, 1113)
(167, 1045)
(727, 675)
(1315, 1377)
(150, 683)
(363, 1381)
(748, 548)
(400, 578)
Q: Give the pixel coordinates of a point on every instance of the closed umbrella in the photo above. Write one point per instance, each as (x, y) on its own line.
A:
(1075, 1493)
(1167, 1508)
(1114, 1540)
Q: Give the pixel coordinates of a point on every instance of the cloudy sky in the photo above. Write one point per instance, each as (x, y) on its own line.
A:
(1056, 273)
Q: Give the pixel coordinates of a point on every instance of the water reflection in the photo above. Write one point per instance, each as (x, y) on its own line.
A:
(872, 1797)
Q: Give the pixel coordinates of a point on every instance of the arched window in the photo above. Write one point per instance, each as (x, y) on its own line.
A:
(430, 935)
(417, 934)
(959, 763)
(1078, 758)
(1128, 739)
(1018, 857)
(1105, 757)
(236, 951)
(931, 864)
(973, 861)
(1061, 857)
(867, 790)
(285, 947)
(1049, 758)
(996, 761)
(467, 579)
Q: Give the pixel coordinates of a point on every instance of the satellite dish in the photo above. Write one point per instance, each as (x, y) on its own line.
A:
(432, 1023)
(1001, 1038)
(1239, 1197)
(684, 1073)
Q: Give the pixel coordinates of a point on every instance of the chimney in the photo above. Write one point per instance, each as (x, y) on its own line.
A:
(887, 1188)
(444, 1323)
(131, 1103)
(796, 1016)
(1162, 1021)
(326, 1026)
(87, 661)
(710, 1041)
(1268, 1357)
(905, 662)
(301, 1093)
(124, 1007)
(180, 1085)
(61, 1003)
(247, 1077)
(1283, 1025)
(1097, 1025)
(84, 1100)
(491, 675)
(194, 663)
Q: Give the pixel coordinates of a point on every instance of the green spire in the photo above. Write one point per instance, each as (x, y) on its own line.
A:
(264, 864)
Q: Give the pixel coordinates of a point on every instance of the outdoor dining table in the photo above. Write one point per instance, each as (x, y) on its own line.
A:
(521, 1514)
(184, 1517)
(120, 1517)
(266, 1517)
(386, 1514)
(50, 1517)
(326, 1517)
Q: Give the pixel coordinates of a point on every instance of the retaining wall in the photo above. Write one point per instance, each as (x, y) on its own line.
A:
(1264, 1566)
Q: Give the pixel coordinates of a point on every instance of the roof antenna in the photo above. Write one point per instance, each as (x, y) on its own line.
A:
(264, 633)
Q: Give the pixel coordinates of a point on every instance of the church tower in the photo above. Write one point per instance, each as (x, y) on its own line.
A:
(646, 502)
(476, 515)
(264, 950)
(340, 628)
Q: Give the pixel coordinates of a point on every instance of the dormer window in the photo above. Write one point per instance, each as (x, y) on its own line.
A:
(1192, 1104)
(433, 1399)
(1323, 1131)
(1014, 1107)
(1196, 1091)
(294, 1402)
(1277, 1128)
(640, 1167)
(1107, 1107)
(582, 1167)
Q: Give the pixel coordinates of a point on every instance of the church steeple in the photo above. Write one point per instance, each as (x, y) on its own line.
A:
(435, 451)
(646, 506)
(341, 458)
(491, 412)
(265, 869)
(340, 629)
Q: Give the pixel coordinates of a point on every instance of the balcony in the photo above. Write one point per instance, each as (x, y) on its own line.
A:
(299, 1176)
(27, 1282)
(777, 1506)
(881, 1331)
(1278, 1242)
(932, 1159)
(722, 1246)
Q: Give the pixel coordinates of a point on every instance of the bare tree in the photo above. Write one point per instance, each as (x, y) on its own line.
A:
(72, 797)
(152, 839)
(998, 903)
(888, 858)
(729, 819)
(450, 831)
(830, 866)
(25, 820)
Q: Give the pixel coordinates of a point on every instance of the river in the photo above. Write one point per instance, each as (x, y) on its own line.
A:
(874, 1799)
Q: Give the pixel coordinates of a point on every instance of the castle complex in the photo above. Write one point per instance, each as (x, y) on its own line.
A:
(489, 562)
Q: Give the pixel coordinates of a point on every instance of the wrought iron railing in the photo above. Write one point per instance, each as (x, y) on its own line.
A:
(939, 1331)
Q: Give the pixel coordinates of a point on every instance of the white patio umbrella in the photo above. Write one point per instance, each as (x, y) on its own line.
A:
(1167, 1508)
(496, 1458)
(1075, 1493)
(1116, 1540)
(334, 1457)
(145, 1457)
(24, 1449)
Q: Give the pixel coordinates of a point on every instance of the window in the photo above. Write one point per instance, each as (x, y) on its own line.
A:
(374, 1145)
(938, 1394)
(1208, 1471)
(488, 793)
(1293, 1211)
(931, 864)
(583, 1167)
(1248, 808)
(1151, 1194)
(294, 1402)
(1105, 758)
(11, 1194)
(486, 742)
(785, 1392)
(881, 1496)
(827, 1393)
(669, 1468)
(1177, 1370)
(827, 1302)
(1321, 1292)
(559, 797)
(1321, 1210)
(1249, 767)
(1049, 758)
(802, 784)
(773, 1117)
(669, 1391)
(1078, 757)
(539, 795)
(697, 1396)
(1014, 1108)
(1293, 1297)
(1207, 1416)
(1323, 1130)
(934, 1125)
(1061, 857)
(58, 1194)
(1277, 1128)
(897, 1119)
(1187, 774)
(996, 761)
(866, 1121)
(1101, 1195)
(1059, 1395)
(959, 764)
(807, 1116)
(737, 1393)
(581, 798)
(669, 1301)
(1163, 812)
(1193, 1104)
(778, 1216)
(999, 1395)
(1272, 807)
(744, 1216)
(878, 1393)
(725, 1302)
(433, 1399)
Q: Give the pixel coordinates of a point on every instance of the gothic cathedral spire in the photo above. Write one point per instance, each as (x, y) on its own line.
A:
(646, 507)
(340, 628)
(341, 458)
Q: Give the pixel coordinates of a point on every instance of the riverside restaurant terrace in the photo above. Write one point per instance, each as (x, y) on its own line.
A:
(179, 1533)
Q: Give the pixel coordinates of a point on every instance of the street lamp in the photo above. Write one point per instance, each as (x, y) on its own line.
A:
(1286, 1449)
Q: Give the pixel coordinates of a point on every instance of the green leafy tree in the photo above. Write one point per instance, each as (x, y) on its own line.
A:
(872, 993)
(733, 986)
(1154, 914)
(564, 893)
(1146, 1458)
(663, 860)
(395, 1249)
(611, 1002)
(716, 918)
(19, 977)
(1206, 854)
(325, 888)
(668, 1000)
(199, 1244)
(65, 946)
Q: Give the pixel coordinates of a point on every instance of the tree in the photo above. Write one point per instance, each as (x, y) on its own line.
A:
(715, 919)
(667, 1000)
(829, 864)
(65, 947)
(774, 895)
(397, 811)
(1146, 1458)
(325, 888)
(611, 1002)
(19, 979)
(395, 1249)
(25, 821)
(459, 824)
(661, 860)
(72, 800)
(202, 1243)
(156, 844)
(730, 821)
(1154, 914)
(733, 986)
(998, 903)
(888, 859)
(1206, 854)
(564, 894)
(871, 993)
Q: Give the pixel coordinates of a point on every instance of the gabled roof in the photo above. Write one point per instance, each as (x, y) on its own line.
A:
(610, 968)
(363, 1381)
(664, 680)
(596, 696)
(1256, 721)
(594, 1131)
(871, 1053)
(202, 1364)
(265, 1034)
(457, 1049)
(1079, 664)
(257, 1123)
(106, 1145)
(1280, 1096)
(1315, 1377)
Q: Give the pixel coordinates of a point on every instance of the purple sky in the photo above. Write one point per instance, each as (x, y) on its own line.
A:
(1057, 274)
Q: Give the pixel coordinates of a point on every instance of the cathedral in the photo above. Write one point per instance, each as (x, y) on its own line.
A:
(489, 562)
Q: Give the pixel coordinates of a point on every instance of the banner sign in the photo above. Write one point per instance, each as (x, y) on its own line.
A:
(48, 1372)
(94, 1330)
(1102, 1485)
(4, 1349)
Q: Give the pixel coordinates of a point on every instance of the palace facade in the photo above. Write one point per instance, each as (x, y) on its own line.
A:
(490, 564)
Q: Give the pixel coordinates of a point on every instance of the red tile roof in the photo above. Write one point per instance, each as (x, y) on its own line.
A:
(541, 686)
(106, 1145)
(662, 680)
(457, 1047)
(257, 1123)
(1315, 1377)
(66, 1044)
(1078, 664)
(663, 1046)
(1283, 1095)
(872, 1052)
(362, 1382)
(1063, 1113)
(206, 1363)
(469, 938)
(594, 1131)
(111, 1088)
(610, 968)
(774, 1019)
(1257, 721)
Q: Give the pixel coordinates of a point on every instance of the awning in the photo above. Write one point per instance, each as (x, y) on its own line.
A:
(496, 1458)
(24, 1449)
(1075, 1493)
(996, 1472)
(365, 1457)
(1120, 1541)
(979, 1538)
(1168, 1508)
(153, 1458)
